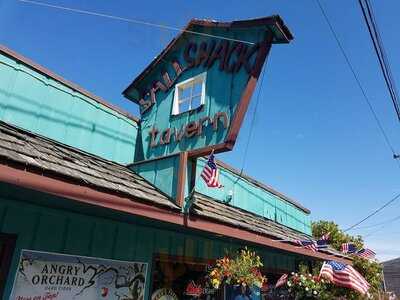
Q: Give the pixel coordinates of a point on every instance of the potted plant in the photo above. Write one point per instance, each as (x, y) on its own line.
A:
(239, 274)
(305, 286)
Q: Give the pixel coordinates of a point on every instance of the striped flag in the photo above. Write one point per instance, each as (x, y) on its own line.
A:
(282, 280)
(348, 248)
(310, 245)
(210, 173)
(365, 253)
(322, 244)
(326, 236)
(344, 275)
(313, 245)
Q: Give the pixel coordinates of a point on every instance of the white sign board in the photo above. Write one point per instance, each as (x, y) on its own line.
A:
(52, 276)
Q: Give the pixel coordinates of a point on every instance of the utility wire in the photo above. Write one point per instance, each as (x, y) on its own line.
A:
(252, 121)
(70, 9)
(380, 53)
(374, 212)
(371, 108)
(377, 224)
(386, 138)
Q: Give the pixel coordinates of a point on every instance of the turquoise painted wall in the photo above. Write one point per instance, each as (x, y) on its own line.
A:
(223, 92)
(47, 223)
(252, 198)
(161, 173)
(246, 195)
(42, 105)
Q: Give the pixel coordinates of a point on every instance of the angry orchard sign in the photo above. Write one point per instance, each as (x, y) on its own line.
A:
(52, 276)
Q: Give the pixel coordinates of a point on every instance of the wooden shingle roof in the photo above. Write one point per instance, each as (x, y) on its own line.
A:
(238, 218)
(53, 158)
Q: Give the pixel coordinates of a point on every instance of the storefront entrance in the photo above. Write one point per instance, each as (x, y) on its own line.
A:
(181, 278)
(7, 245)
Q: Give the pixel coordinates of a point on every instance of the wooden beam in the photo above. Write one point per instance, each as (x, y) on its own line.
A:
(180, 187)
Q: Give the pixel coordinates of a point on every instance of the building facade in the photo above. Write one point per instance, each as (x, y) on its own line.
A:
(391, 271)
(98, 204)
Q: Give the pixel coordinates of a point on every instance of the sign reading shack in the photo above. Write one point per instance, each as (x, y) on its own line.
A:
(194, 95)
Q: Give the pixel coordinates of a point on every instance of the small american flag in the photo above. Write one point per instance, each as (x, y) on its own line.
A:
(322, 244)
(344, 275)
(281, 281)
(210, 173)
(326, 236)
(348, 248)
(365, 253)
(310, 245)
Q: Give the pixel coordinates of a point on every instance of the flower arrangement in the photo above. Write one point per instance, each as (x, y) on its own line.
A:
(305, 286)
(243, 268)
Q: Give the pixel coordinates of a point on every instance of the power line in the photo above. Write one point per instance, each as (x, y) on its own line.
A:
(386, 138)
(81, 11)
(252, 121)
(380, 53)
(380, 126)
(374, 212)
(377, 224)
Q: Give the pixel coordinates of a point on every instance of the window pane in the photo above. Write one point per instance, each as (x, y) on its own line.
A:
(184, 106)
(196, 101)
(184, 93)
(197, 88)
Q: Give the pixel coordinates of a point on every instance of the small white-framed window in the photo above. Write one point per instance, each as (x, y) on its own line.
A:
(189, 94)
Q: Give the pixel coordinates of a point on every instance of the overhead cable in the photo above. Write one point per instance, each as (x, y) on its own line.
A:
(371, 108)
(377, 224)
(380, 52)
(87, 12)
(386, 138)
(374, 212)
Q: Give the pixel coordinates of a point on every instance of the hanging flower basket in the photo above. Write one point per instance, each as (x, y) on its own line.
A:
(242, 269)
(305, 286)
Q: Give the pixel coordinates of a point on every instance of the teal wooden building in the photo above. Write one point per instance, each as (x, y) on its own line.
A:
(83, 182)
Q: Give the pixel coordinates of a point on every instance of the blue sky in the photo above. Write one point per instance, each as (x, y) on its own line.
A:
(314, 137)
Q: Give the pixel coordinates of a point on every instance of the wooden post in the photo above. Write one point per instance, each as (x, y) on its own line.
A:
(180, 187)
(192, 181)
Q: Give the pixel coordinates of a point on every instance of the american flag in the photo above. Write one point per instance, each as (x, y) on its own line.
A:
(348, 248)
(310, 245)
(344, 275)
(322, 244)
(365, 253)
(281, 281)
(210, 173)
(326, 236)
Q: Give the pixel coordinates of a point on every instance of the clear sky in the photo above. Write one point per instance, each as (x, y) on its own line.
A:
(314, 138)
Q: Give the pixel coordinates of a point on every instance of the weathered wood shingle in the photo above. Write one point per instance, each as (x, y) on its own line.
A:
(31, 150)
(207, 207)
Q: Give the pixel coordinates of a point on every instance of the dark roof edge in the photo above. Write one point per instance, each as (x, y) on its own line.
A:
(390, 261)
(275, 19)
(44, 71)
(263, 186)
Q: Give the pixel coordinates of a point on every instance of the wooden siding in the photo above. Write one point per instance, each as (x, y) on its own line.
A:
(246, 195)
(252, 198)
(162, 173)
(391, 272)
(45, 106)
(55, 225)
